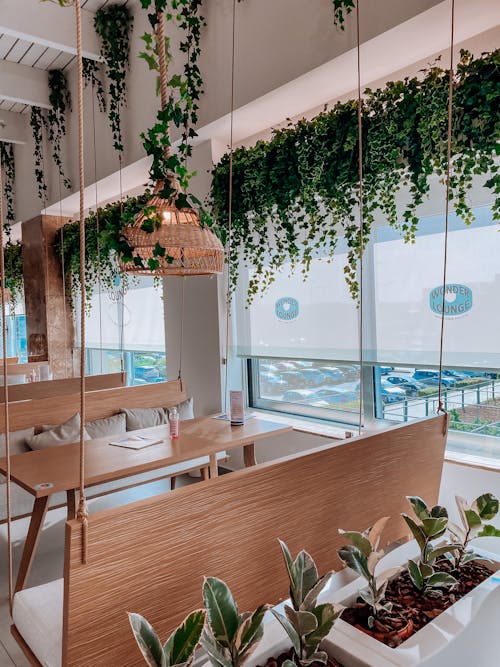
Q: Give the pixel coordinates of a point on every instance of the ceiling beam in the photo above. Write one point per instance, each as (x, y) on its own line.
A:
(23, 84)
(48, 24)
(13, 127)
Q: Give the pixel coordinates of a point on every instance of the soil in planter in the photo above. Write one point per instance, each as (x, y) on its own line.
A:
(410, 604)
(289, 655)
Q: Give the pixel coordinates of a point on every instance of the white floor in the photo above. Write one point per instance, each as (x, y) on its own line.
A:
(48, 564)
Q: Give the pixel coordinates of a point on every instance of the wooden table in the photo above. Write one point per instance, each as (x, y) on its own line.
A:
(56, 469)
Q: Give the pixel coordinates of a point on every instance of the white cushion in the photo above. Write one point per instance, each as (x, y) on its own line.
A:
(38, 616)
(185, 409)
(138, 418)
(60, 435)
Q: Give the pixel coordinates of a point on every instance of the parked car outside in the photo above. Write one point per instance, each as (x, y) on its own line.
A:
(427, 377)
(298, 396)
(335, 395)
(147, 373)
(293, 378)
(285, 366)
(410, 387)
(312, 377)
(332, 372)
(271, 383)
(455, 375)
(390, 394)
(385, 370)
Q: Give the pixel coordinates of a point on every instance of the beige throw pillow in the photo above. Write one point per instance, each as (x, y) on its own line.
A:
(185, 409)
(138, 418)
(101, 428)
(60, 435)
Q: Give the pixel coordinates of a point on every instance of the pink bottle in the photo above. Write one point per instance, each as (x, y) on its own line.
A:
(173, 420)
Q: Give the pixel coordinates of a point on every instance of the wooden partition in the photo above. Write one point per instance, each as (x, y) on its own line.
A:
(50, 388)
(150, 556)
(105, 403)
(13, 368)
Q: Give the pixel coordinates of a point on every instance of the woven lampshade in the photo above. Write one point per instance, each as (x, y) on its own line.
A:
(190, 249)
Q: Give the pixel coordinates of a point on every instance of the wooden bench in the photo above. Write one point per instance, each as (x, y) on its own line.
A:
(150, 556)
(49, 388)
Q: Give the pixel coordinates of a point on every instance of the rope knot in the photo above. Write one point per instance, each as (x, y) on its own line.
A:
(82, 515)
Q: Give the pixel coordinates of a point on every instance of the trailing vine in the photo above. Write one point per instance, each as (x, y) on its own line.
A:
(91, 77)
(100, 258)
(36, 123)
(113, 24)
(8, 164)
(340, 9)
(60, 103)
(13, 260)
(294, 195)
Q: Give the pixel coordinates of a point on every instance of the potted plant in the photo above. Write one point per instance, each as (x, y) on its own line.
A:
(180, 646)
(305, 622)
(373, 614)
(473, 517)
(229, 637)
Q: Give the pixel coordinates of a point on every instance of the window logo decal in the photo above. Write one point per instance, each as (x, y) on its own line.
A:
(457, 300)
(286, 309)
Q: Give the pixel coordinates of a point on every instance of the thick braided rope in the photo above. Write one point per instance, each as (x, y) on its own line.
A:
(82, 513)
(5, 398)
(361, 220)
(447, 207)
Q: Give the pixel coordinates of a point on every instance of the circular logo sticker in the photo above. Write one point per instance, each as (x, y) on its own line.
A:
(287, 308)
(457, 300)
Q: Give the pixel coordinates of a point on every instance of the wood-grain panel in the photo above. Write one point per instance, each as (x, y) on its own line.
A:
(100, 404)
(48, 388)
(22, 369)
(150, 556)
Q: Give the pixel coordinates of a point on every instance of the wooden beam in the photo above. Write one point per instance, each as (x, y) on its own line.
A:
(23, 84)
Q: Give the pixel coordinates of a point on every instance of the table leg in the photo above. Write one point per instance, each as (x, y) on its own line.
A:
(205, 473)
(249, 455)
(214, 471)
(71, 503)
(34, 532)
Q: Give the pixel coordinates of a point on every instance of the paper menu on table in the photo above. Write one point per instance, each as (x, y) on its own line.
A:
(136, 442)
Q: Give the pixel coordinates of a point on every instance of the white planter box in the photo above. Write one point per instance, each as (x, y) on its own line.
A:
(469, 623)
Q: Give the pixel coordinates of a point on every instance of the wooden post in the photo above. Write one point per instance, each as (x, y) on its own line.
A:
(49, 325)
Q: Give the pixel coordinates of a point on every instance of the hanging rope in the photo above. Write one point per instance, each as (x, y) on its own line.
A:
(361, 220)
(82, 513)
(99, 281)
(447, 205)
(5, 399)
(181, 334)
(65, 305)
(230, 215)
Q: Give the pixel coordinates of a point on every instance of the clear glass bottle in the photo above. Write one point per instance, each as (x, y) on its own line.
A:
(173, 420)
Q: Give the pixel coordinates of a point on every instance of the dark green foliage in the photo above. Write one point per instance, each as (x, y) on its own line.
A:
(113, 24)
(36, 123)
(60, 101)
(13, 261)
(9, 177)
(100, 249)
(297, 193)
(91, 76)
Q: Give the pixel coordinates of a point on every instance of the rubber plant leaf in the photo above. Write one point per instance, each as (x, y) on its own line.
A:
(326, 615)
(354, 559)
(415, 574)
(306, 574)
(250, 631)
(291, 573)
(182, 643)
(489, 531)
(487, 506)
(441, 579)
(147, 641)
(434, 527)
(304, 622)
(310, 599)
(221, 610)
(218, 655)
(417, 532)
(359, 541)
(442, 551)
(419, 507)
(289, 629)
(376, 531)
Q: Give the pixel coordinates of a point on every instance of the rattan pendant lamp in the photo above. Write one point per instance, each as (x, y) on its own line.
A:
(189, 248)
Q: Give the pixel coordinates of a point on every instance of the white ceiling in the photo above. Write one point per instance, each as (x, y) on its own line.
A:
(39, 56)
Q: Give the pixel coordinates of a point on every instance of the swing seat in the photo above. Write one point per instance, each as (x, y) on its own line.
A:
(38, 617)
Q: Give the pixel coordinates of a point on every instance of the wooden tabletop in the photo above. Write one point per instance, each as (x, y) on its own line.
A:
(59, 466)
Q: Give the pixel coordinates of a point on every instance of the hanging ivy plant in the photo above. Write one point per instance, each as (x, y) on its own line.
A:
(100, 250)
(113, 24)
(294, 195)
(36, 123)
(92, 77)
(13, 261)
(60, 103)
(340, 9)
(9, 168)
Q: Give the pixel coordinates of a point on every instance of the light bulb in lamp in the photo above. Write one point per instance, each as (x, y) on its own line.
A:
(166, 217)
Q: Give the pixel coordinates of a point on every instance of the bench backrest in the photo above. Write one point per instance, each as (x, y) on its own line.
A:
(150, 556)
(49, 388)
(99, 404)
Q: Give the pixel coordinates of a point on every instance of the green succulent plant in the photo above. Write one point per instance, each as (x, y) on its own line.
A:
(306, 622)
(473, 518)
(229, 637)
(363, 556)
(179, 648)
